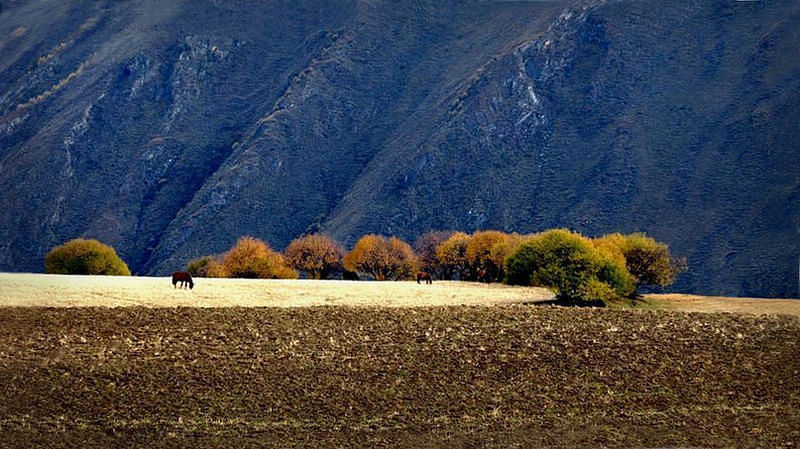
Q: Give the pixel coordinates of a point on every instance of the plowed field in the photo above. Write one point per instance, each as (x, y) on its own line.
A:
(506, 376)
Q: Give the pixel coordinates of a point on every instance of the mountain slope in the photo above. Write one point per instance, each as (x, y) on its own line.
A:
(622, 117)
(152, 106)
(170, 130)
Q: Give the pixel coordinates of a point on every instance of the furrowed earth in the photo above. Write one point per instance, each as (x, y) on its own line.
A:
(508, 375)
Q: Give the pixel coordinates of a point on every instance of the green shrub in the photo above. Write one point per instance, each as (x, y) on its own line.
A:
(615, 275)
(80, 256)
(596, 292)
(570, 265)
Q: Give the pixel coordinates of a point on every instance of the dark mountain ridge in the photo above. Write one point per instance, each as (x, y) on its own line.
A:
(168, 130)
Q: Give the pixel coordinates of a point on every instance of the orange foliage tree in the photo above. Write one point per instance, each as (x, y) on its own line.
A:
(316, 254)
(382, 258)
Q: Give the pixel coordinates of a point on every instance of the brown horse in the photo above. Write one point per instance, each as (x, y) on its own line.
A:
(184, 278)
(424, 276)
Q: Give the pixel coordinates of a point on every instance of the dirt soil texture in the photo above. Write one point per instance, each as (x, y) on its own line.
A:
(505, 376)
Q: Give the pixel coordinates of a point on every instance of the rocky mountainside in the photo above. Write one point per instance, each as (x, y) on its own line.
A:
(168, 129)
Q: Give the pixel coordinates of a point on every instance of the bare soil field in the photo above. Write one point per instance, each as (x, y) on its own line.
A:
(444, 377)
(25, 289)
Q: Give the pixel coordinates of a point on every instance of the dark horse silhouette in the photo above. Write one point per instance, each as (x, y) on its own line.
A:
(424, 276)
(184, 278)
(348, 275)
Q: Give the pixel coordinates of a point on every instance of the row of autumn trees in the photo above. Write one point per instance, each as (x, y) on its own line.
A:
(318, 256)
(575, 267)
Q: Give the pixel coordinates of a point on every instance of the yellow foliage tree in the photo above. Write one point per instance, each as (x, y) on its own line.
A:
(648, 260)
(486, 253)
(253, 258)
(452, 255)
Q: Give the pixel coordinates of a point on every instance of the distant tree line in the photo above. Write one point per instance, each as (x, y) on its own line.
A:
(578, 269)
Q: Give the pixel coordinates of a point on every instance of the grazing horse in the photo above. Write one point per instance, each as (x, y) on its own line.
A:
(184, 278)
(424, 276)
(348, 275)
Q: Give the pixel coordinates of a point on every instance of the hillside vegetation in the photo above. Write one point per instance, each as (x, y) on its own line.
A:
(169, 129)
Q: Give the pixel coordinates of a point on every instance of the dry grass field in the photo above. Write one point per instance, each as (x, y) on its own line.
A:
(41, 290)
(696, 303)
